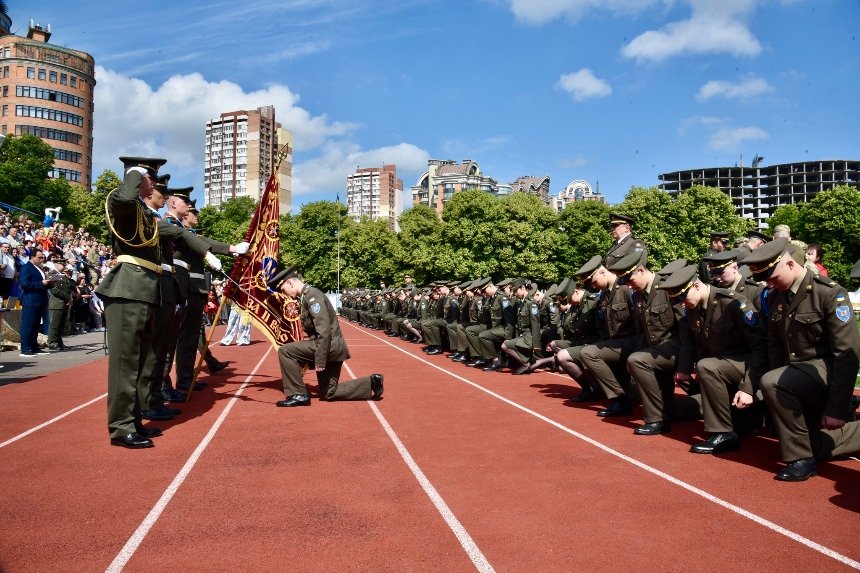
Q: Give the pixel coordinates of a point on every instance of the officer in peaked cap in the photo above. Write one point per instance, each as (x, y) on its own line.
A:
(324, 349)
(815, 352)
(131, 297)
(719, 242)
(731, 350)
(755, 239)
(726, 272)
(670, 268)
(623, 240)
(526, 344)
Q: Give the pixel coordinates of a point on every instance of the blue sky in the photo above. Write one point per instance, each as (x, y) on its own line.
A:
(615, 91)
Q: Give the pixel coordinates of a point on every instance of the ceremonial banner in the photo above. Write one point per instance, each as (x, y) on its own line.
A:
(274, 314)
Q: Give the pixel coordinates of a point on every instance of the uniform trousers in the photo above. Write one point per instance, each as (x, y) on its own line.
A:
(719, 379)
(153, 369)
(189, 337)
(606, 358)
(473, 340)
(491, 341)
(294, 355)
(796, 395)
(59, 316)
(433, 330)
(453, 329)
(131, 326)
(653, 371)
(522, 347)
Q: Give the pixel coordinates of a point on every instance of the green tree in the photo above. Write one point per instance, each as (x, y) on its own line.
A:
(658, 220)
(418, 243)
(787, 215)
(703, 210)
(528, 240)
(585, 229)
(309, 240)
(363, 254)
(24, 165)
(832, 219)
(468, 246)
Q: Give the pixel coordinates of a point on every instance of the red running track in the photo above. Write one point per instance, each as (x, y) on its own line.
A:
(454, 470)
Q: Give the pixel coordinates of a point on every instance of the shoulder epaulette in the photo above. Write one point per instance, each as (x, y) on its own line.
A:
(725, 292)
(826, 281)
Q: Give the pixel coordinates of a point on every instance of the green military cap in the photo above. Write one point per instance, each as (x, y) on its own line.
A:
(183, 193)
(721, 260)
(671, 267)
(453, 284)
(764, 259)
(587, 270)
(466, 285)
(756, 234)
(276, 281)
(551, 291)
(504, 282)
(161, 184)
(482, 283)
(532, 290)
(563, 286)
(150, 164)
(619, 219)
(721, 236)
(629, 263)
(680, 281)
(855, 270)
(517, 283)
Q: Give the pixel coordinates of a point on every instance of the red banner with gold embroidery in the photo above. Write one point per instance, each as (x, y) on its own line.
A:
(274, 314)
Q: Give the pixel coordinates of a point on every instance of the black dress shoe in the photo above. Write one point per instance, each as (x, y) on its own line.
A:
(493, 366)
(524, 369)
(798, 470)
(132, 440)
(475, 362)
(172, 395)
(294, 400)
(216, 366)
(434, 350)
(618, 407)
(462, 358)
(155, 415)
(455, 356)
(717, 444)
(588, 394)
(148, 432)
(653, 428)
(376, 385)
(171, 411)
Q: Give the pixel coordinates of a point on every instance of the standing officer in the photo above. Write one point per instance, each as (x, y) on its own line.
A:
(624, 243)
(131, 296)
(731, 350)
(814, 353)
(324, 348)
(59, 304)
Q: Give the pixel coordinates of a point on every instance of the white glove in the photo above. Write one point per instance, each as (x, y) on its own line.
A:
(213, 261)
(140, 170)
(241, 248)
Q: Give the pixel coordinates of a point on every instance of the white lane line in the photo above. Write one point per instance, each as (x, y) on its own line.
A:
(691, 488)
(51, 421)
(466, 541)
(137, 537)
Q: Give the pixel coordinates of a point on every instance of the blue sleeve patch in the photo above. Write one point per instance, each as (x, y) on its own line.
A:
(750, 317)
(840, 297)
(315, 308)
(553, 308)
(534, 311)
(843, 313)
(505, 304)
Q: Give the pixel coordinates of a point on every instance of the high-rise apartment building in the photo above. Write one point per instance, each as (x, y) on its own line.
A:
(241, 152)
(757, 191)
(47, 91)
(375, 193)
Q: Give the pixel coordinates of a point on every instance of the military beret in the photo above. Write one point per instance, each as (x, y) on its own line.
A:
(680, 281)
(517, 283)
(628, 263)
(183, 193)
(764, 259)
(671, 267)
(619, 219)
(755, 234)
(150, 164)
(721, 236)
(585, 271)
(275, 282)
(551, 291)
(721, 260)
(855, 270)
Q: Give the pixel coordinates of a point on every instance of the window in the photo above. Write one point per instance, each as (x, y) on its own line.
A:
(48, 133)
(5, 91)
(3, 128)
(42, 74)
(49, 94)
(53, 77)
(64, 79)
(5, 110)
(73, 81)
(31, 73)
(50, 114)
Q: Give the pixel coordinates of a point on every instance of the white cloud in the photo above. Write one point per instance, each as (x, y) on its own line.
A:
(540, 12)
(584, 85)
(698, 120)
(733, 138)
(328, 171)
(745, 89)
(133, 118)
(713, 28)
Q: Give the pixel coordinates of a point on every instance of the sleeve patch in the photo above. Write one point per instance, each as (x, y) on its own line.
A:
(315, 308)
(750, 317)
(843, 313)
(534, 311)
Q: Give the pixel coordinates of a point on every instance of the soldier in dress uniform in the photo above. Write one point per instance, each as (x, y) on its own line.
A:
(62, 289)
(502, 320)
(433, 326)
(131, 296)
(731, 350)
(325, 349)
(623, 241)
(814, 351)
(524, 348)
(755, 239)
(725, 272)
(580, 327)
(664, 344)
(485, 290)
(606, 360)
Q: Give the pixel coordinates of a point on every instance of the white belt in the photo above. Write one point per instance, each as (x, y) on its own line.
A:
(167, 267)
(180, 263)
(197, 275)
